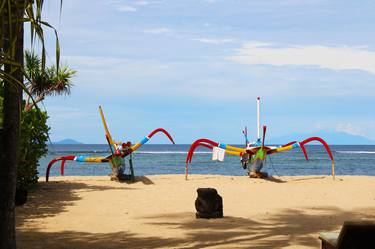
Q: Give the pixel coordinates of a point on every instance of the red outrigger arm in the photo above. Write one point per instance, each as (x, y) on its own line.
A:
(200, 142)
(163, 131)
(209, 144)
(302, 145)
(62, 159)
(75, 158)
(293, 145)
(147, 138)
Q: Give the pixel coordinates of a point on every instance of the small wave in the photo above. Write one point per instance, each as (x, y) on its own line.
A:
(80, 151)
(75, 152)
(170, 152)
(355, 152)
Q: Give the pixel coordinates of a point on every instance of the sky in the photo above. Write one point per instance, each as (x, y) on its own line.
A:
(196, 67)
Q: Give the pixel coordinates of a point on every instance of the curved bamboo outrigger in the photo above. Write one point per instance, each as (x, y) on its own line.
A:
(204, 142)
(114, 147)
(255, 153)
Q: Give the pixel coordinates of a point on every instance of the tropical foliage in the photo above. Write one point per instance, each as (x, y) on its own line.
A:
(13, 15)
(34, 130)
(41, 83)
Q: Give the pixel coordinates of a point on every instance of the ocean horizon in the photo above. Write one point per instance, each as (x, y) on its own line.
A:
(155, 159)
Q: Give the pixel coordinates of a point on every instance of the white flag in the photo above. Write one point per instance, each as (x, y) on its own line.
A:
(218, 154)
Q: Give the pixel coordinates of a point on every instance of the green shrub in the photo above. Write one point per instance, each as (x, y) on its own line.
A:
(33, 146)
(34, 135)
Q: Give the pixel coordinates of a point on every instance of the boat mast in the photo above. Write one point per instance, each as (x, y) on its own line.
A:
(258, 117)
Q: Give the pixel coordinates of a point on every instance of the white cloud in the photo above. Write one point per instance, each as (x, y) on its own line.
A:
(68, 113)
(124, 75)
(157, 31)
(350, 129)
(127, 75)
(147, 76)
(214, 40)
(120, 6)
(125, 8)
(142, 3)
(335, 58)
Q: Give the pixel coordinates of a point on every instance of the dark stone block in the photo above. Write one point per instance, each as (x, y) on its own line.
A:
(208, 204)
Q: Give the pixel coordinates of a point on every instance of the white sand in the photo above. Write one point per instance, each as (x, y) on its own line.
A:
(158, 212)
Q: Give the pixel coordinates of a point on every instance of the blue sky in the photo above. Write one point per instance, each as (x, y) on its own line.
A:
(196, 68)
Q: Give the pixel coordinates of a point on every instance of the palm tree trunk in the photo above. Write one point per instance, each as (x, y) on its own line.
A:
(11, 130)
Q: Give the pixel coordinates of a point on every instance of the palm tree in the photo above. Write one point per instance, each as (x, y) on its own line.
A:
(42, 83)
(13, 15)
(10, 29)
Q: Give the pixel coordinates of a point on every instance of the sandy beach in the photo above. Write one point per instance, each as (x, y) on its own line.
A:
(158, 212)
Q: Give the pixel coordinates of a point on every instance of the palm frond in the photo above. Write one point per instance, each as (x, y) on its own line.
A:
(32, 64)
(61, 80)
(33, 15)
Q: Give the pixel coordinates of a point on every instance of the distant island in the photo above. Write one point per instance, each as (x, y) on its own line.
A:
(67, 141)
(331, 137)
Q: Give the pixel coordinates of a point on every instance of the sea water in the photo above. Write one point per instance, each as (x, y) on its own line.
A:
(158, 159)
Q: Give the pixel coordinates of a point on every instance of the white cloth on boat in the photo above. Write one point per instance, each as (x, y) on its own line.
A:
(218, 154)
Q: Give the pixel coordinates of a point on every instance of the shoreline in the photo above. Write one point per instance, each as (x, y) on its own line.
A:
(157, 211)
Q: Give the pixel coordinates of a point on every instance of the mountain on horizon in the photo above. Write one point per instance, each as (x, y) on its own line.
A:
(337, 138)
(67, 141)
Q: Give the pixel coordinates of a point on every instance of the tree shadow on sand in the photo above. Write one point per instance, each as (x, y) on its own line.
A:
(289, 227)
(81, 240)
(286, 228)
(52, 198)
